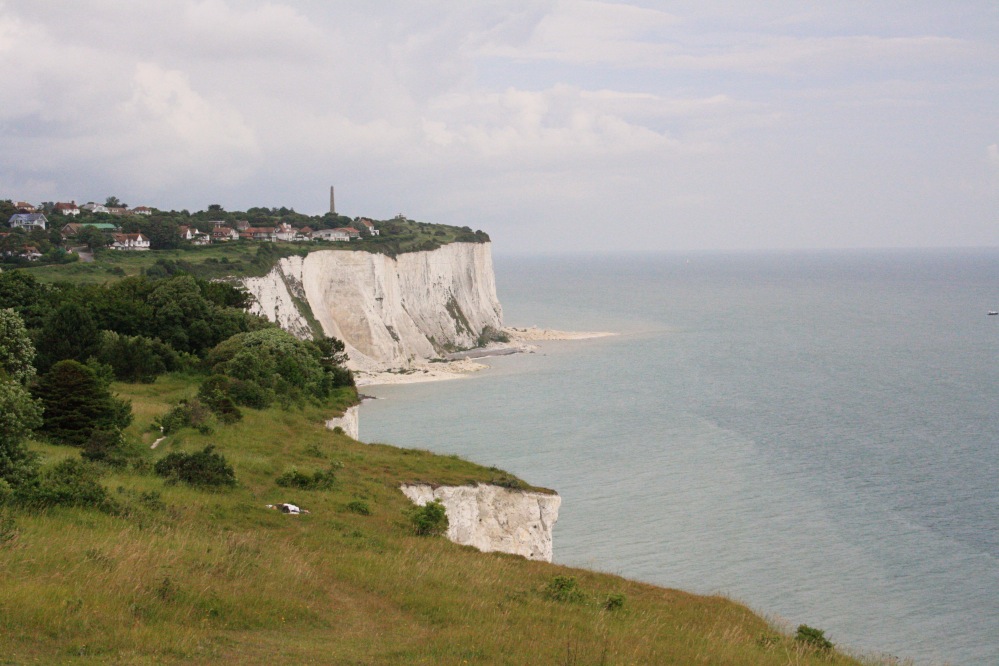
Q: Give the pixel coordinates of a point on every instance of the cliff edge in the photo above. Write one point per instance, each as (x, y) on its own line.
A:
(389, 311)
(493, 518)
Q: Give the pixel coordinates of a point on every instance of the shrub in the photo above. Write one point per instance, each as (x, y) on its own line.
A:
(71, 482)
(318, 480)
(204, 468)
(429, 519)
(188, 414)
(105, 446)
(137, 358)
(213, 392)
(816, 638)
(564, 588)
(359, 507)
(613, 602)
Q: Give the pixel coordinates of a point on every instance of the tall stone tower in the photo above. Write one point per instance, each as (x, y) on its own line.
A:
(332, 202)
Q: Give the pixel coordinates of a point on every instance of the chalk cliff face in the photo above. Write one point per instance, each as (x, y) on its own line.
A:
(388, 311)
(493, 518)
(349, 422)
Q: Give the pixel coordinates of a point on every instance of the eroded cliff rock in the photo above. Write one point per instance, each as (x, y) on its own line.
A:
(349, 422)
(388, 311)
(493, 518)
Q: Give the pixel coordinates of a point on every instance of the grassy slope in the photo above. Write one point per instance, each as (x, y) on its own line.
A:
(216, 577)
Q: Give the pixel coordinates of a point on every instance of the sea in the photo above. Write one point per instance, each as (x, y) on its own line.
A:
(813, 434)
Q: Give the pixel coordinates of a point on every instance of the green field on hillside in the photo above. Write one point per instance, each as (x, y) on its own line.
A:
(175, 574)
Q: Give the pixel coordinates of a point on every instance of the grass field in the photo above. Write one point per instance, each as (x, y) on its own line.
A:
(190, 576)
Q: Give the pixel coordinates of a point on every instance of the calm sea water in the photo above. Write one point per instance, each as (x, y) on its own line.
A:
(813, 434)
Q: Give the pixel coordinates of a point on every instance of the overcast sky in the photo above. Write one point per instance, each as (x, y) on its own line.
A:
(551, 125)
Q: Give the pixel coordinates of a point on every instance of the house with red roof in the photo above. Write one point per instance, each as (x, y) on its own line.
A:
(67, 208)
(129, 242)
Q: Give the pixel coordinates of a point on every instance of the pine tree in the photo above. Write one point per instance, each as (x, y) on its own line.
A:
(77, 402)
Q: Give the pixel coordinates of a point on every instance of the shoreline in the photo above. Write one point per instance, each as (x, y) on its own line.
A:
(462, 364)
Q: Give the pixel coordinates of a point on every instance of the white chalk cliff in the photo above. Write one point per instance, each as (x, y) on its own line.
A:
(388, 311)
(493, 518)
(349, 422)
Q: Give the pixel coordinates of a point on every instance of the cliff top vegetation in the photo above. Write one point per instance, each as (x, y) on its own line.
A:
(181, 240)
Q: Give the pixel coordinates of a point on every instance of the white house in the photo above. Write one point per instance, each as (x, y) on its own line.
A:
(331, 235)
(142, 210)
(67, 208)
(368, 225)
(129, 242)
(92, 207)
(221, 234)
(284, 232)
(27, 221)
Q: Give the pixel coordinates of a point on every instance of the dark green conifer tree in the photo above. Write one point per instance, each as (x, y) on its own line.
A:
(77, 402)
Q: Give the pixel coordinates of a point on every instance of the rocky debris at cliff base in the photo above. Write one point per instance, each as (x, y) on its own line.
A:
(534, 333)
(422, 371)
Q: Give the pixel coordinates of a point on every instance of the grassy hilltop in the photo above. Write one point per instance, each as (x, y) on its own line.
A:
(178, 574)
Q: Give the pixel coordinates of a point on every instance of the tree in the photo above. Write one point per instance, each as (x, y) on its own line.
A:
(19, 415)
(272, 358)
(68, 333)
(31, 299)
(114, 202)
(92, 237)
(163, 235)
(77, 402)
(16, 350)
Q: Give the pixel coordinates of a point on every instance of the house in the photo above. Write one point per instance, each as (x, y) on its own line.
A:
(25, 207)
(260, 233)
(27, 221)
(70, 230)
(196, 237)
(303, 235)
(242, 225)
(368, 225)
(354, 233)
(331, 235)
(142, 210)
(222, 234)
(92, 207)
(284, 232)
(129, 242)
(30, 252)
(67, 208)
(118, 210)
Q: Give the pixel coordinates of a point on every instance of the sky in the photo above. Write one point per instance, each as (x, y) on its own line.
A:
(556, 126)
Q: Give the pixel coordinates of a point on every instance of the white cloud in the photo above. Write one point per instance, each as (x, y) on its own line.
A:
(572, 110)
(176, 133)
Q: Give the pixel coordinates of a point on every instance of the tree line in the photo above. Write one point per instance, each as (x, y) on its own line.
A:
(62, 346)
